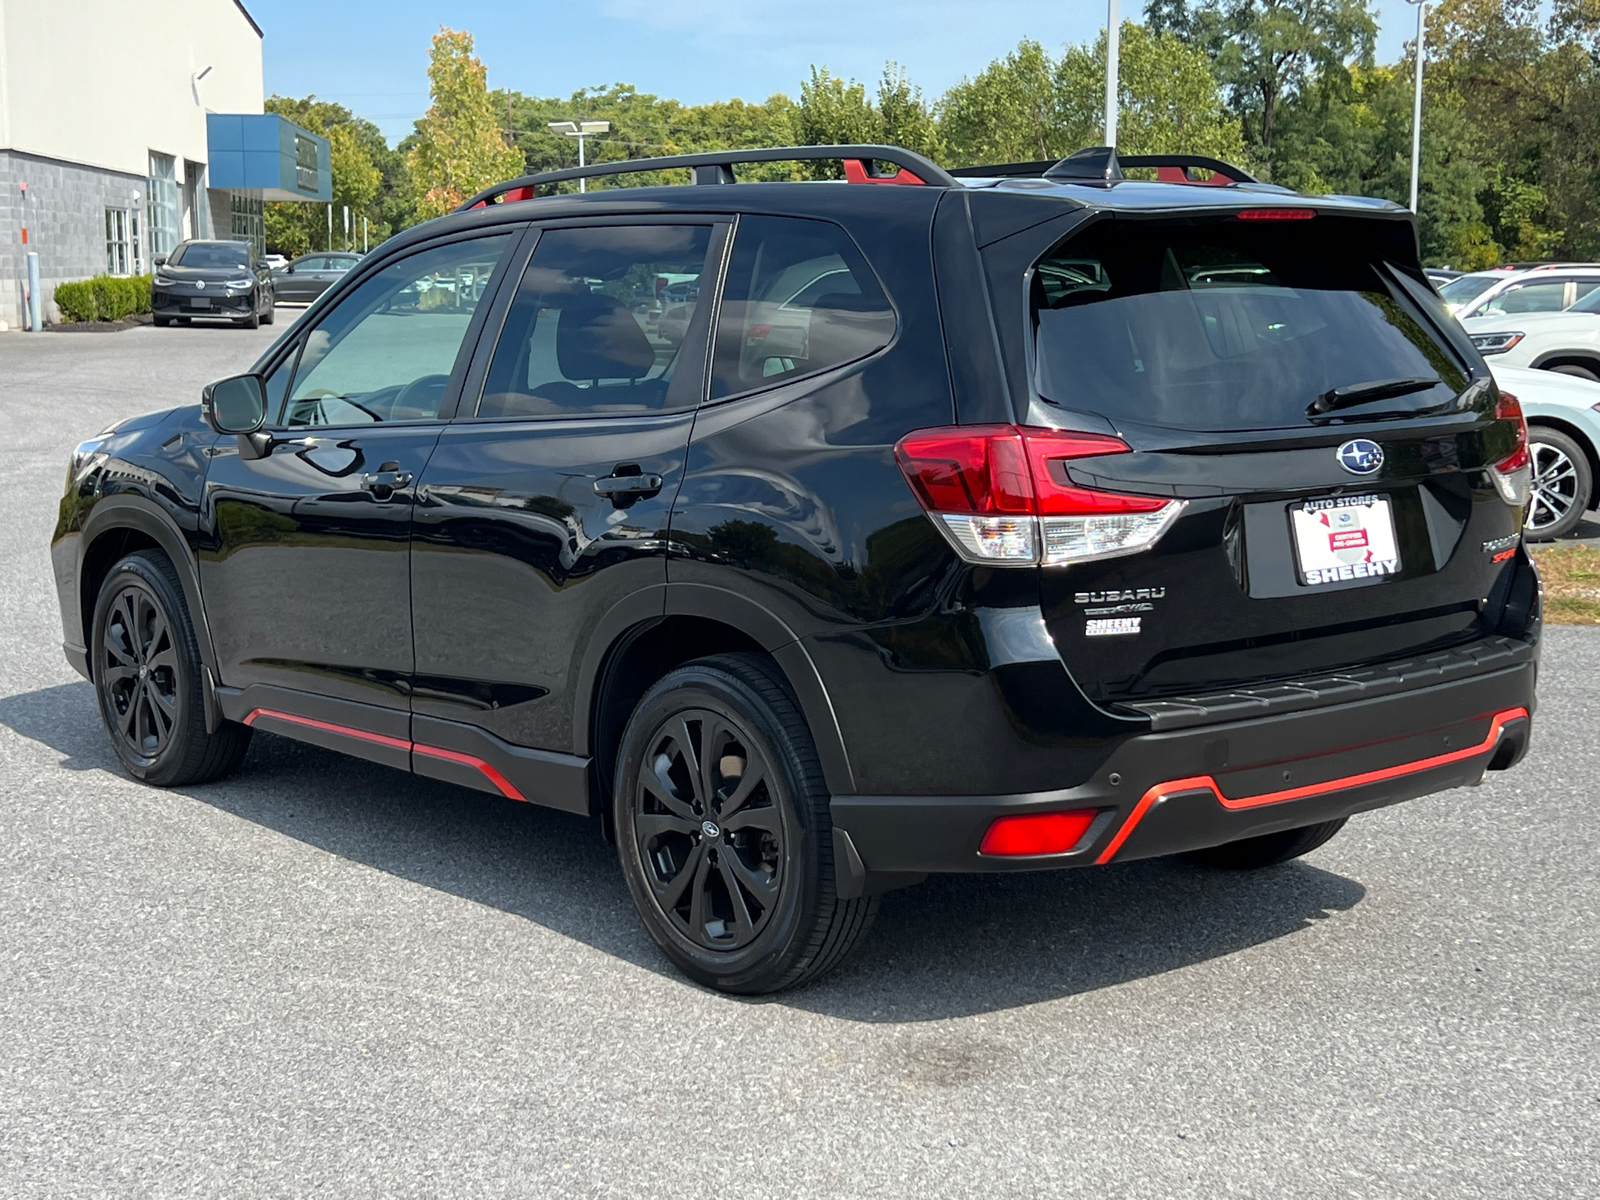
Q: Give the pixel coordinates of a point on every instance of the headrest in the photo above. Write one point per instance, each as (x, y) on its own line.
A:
(597, 338)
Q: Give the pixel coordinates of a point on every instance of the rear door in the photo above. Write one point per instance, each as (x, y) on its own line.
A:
(545, 505)
(1325, 441)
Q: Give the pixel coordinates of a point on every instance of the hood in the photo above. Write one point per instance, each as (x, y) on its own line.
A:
(1527, 322)
(208, 274)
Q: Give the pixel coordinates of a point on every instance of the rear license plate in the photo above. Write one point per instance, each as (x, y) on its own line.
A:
(199, 301)
(1344, 538)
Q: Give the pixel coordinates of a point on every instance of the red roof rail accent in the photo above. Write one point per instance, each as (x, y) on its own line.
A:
(855, 171)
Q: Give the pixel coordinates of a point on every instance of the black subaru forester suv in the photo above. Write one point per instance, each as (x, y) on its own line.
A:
(818, 536)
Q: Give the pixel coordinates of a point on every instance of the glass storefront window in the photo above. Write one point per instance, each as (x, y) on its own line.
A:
(163, 204)
(246, 222)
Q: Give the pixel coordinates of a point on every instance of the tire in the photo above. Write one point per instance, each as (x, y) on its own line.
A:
(182, 320)
(162, 322)
(1562, 484)
(271, 315)
(253, 321)
(1268, 850)
(148, 678)
(1575, 371)
(735, 881)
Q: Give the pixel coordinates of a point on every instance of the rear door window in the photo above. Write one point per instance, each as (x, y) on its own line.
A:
(1225, 326)
(799, 299)
(598, 323)
(1547, 295)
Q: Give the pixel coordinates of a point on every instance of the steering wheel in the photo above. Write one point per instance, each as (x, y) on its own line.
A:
(411, 389)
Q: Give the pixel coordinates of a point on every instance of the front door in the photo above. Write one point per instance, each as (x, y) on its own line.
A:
(307, 579)
(545, 504)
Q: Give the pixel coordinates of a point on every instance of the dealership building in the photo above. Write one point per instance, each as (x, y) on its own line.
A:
(122, 132)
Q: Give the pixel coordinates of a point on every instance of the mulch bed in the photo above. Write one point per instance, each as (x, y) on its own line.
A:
(100, 326)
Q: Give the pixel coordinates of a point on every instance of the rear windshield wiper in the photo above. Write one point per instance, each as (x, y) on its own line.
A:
(1362, 393)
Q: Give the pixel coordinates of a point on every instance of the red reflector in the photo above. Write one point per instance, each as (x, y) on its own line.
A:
(1276, 214)
(1509, 408)
(1037, 833)
(989, 469)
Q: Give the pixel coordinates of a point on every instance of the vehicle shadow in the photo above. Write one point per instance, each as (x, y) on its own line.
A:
(954, 946)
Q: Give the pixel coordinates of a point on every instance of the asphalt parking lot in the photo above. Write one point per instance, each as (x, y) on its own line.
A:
(325, 978)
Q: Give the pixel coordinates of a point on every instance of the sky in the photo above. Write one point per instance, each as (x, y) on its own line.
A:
(372, 57)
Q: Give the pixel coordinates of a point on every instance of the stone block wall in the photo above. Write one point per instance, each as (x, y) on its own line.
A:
(65, 216)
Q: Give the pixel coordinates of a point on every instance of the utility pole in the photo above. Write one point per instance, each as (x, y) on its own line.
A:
(329, 244)
(1416, 107)
(363, 235)
(347, 227)
(1113, 54)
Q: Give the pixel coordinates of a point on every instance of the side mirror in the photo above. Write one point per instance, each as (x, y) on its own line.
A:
(263, 265)
(160, 260)
(237, 404)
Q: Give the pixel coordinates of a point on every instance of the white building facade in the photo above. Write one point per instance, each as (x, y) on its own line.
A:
(104, 135)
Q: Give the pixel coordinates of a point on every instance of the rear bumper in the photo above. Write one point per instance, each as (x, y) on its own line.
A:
(1164, 793)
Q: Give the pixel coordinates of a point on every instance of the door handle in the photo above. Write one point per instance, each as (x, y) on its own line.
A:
(383, 482)
(627, 485)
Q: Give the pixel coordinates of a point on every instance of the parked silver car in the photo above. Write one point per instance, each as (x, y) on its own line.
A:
(305, 278)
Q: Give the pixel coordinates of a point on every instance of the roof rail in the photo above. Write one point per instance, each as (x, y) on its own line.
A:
(717, 167)
(1170, 168)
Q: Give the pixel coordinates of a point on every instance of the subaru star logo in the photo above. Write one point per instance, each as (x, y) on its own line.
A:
(1360, 456)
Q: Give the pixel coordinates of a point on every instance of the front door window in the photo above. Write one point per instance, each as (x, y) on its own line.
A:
(387, 351)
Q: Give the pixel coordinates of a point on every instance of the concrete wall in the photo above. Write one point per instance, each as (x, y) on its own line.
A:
(65, 215)
(103, 83)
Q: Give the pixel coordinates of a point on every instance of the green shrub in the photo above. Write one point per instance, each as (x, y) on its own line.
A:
(103, 298)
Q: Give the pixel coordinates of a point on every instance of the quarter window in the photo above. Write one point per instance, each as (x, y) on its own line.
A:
(799, 299)
(598, 323)
(387, 350)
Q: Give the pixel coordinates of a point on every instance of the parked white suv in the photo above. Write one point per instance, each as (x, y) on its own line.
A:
(1549, 287)
(1566, 342)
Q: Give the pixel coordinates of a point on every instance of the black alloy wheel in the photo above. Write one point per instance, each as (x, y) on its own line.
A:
(138, 672)
(1562, 481)
(708, 831)
(723, 830)
(147, 675)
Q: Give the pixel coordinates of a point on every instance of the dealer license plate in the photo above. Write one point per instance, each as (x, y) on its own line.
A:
(1343, 538)
(199, 301)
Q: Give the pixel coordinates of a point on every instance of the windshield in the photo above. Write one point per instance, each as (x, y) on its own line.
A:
(202, 255)
(1227, 326)
(1467, 288)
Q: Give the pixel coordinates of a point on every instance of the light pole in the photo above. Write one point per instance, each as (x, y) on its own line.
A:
(1113, 53)
(1416, 107)
(580, 130)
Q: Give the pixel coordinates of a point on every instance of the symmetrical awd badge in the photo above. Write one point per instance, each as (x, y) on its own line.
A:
(1360, 456)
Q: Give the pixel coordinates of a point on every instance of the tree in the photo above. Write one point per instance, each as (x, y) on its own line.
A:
(1028, 107)
(1265, 51)
(460, 145)
(905, 118)
(1007, 113)
(1168, 100)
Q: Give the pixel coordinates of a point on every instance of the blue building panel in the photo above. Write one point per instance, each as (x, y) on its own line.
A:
(268, 156)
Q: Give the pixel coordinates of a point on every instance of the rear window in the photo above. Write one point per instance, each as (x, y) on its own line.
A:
(1226, 325)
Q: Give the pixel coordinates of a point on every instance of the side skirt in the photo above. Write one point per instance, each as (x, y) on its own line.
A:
(445, 750)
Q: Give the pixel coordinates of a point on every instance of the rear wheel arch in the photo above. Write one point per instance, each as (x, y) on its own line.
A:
(630, 663)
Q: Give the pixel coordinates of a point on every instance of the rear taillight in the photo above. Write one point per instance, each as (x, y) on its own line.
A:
(1002, 495)
(1513, 474)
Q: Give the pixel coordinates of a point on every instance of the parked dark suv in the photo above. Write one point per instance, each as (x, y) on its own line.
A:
(209, 279)
(1029, 519)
